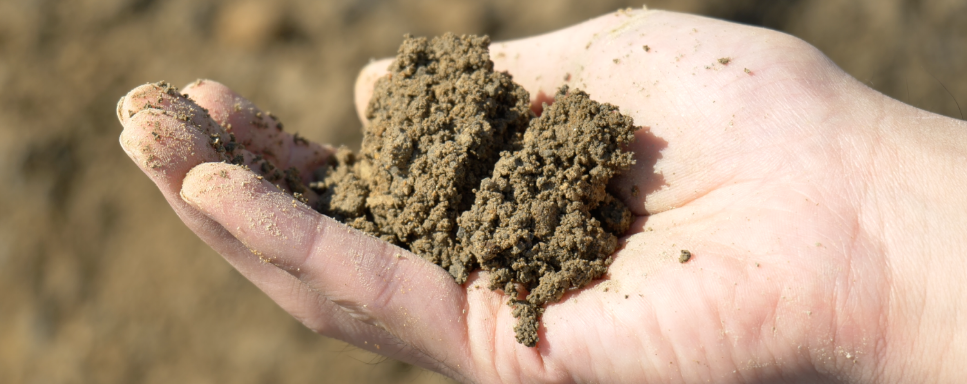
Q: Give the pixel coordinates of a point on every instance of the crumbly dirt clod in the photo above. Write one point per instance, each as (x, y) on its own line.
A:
(685, 256)
(544, 219)
(455, 167)
(436, 127)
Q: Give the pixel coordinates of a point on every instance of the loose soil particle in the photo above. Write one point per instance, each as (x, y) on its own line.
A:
(456, 168)
(685, 256)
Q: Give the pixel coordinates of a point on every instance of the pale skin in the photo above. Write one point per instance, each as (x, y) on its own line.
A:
(826, 221)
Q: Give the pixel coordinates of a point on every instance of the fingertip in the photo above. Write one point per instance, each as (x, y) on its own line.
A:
(366, 81)
(160, 95)
(217, 98)
(161, 146)
(207, 185)
(137, 100)
(196, 181)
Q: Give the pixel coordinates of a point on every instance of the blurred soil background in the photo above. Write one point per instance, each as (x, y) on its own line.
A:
(99, 280)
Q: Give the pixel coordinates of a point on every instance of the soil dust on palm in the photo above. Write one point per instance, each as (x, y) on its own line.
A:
(456, 168)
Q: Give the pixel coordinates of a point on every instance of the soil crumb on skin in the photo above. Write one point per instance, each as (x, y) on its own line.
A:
(456, 168)
(685, 256)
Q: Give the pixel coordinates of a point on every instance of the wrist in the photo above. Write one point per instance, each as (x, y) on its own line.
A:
(914, 206)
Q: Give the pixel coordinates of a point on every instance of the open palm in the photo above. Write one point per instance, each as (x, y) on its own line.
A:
(753, 157)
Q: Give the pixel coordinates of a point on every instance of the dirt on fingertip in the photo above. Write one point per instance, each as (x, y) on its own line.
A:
(456, 168)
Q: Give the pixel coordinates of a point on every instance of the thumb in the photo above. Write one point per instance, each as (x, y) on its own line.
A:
(365, 83)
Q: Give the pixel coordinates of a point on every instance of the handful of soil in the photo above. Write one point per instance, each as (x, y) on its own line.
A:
(456, 168)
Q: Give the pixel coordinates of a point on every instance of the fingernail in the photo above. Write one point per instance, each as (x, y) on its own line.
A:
(119, 107)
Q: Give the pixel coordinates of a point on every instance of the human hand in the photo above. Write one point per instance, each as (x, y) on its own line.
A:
(825, 229)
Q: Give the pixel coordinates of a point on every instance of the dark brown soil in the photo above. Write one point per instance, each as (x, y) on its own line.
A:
(456, 168)
(685, 256)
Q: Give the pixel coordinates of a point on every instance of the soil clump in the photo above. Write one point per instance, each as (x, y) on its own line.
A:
(456, 168)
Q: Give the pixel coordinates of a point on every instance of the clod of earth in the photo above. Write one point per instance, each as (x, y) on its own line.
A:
(456, 168)
(685, 256)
